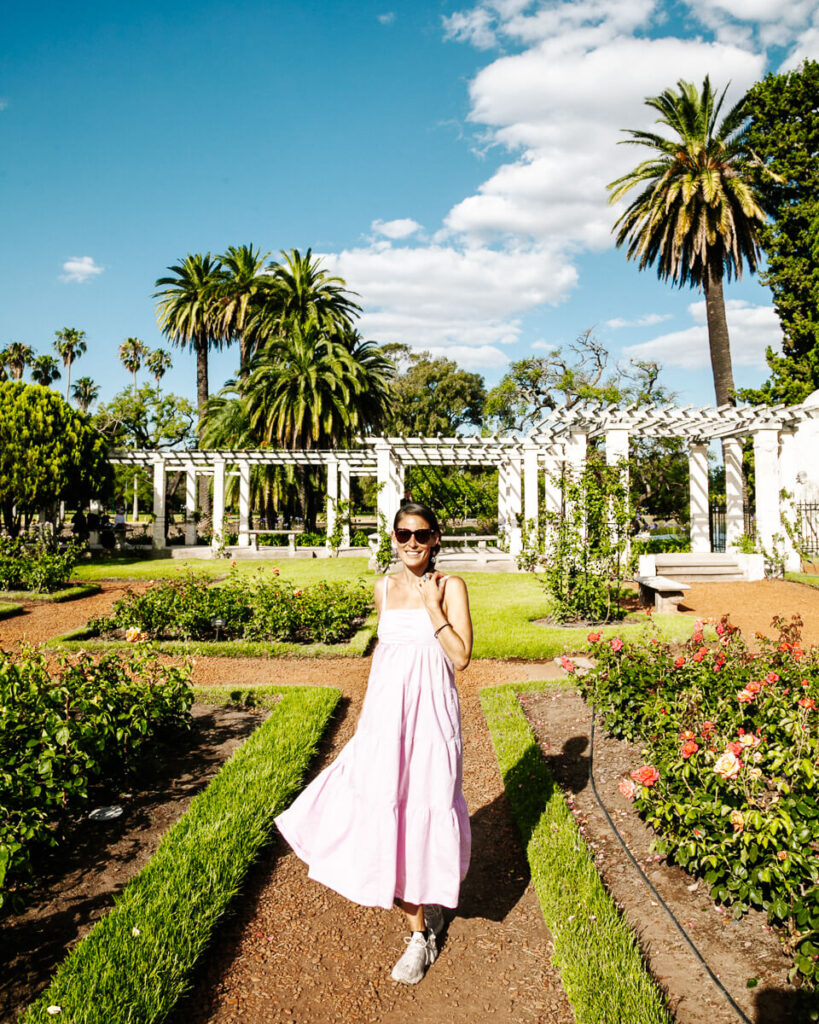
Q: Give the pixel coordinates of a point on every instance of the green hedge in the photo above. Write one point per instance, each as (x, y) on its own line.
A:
(70, 593)
(137, 962)
(594, 949)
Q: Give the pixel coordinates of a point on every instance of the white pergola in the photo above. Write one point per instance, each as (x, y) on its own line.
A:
(559, 440)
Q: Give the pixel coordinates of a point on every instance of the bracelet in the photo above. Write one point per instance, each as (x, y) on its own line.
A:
(438, 630)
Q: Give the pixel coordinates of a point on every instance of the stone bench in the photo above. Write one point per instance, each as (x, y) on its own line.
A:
(665, 592)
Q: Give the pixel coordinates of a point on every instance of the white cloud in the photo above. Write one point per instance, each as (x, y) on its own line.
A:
(403, 227)
(387, 18)
(447, 298)
(475, 27)
(752, 329)
(646, 320)
(79, 269)
(543, 346)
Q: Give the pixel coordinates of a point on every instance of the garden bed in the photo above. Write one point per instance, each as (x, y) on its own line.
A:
(359, 645)
(744, 953)
(78, 885)
(72, 592)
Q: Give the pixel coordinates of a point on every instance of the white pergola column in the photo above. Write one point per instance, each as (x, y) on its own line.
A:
(617, 455)
(158, 539)
(190, 507)
(503, 498)
(698, 497)
(390, 481)
(514, 498)
(576, 448)
(332, 498)
(244, 503)
(768, 486)
(734, 511)
(531, 497)
(218, 518)
(344, 496)
(552, 498)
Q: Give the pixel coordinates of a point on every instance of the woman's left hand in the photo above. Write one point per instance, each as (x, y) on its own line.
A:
(431, 589)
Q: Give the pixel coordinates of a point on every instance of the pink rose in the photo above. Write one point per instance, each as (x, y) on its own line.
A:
(745, 696)
(567, 664)
(617, 644)
(626, 787)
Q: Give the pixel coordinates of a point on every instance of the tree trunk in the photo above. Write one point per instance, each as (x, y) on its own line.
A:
(718, 340)
(201, 348)
(244, 355)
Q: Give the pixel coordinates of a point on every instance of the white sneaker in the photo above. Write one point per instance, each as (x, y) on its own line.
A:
(419, 954)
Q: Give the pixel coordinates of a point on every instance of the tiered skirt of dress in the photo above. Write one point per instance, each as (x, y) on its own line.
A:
(387, 819)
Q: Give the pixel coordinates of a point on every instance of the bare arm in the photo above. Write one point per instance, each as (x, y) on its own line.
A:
(447, 603)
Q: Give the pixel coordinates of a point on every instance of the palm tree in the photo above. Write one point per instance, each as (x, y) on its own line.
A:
(158, 362)
(45, 370)
(188, 315)
(131, 353)
(698, 216)
(243, 287)
(85, 393)
(17, 356)
(299, 291)
(70, 345)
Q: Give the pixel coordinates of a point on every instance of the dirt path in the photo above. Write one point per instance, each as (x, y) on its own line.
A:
(298, 952)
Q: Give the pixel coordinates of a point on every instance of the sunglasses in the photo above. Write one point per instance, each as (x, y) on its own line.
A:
(422, 536)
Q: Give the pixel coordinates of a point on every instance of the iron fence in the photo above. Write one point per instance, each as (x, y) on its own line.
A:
(807, 526)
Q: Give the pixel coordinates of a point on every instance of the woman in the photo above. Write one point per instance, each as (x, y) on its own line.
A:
(387, 822)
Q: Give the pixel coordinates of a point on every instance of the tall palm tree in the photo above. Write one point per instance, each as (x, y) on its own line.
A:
(85, 393)
(158, 362)
(17, 357)
(697, 217)
(188, 314)
(45, 370)
(70, 345)
(301, 291)
(244, 286)
(131, 353)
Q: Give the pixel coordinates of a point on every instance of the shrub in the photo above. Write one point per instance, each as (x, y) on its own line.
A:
(59, 734)
(263, 607)
(31, 563)
(732, 746)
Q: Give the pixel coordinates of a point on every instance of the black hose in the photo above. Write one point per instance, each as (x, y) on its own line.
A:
(659, 898)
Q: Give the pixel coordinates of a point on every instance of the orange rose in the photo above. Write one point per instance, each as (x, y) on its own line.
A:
(737, 820)
(688, 748)
(647, 775)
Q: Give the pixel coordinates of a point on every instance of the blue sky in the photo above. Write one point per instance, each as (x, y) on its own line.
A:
(449, 161)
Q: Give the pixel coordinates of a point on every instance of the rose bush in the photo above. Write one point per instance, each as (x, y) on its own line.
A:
(733, 737)
(32, 563)
(259, 607)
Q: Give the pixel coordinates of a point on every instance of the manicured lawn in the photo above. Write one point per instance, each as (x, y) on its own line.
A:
(811, 579)
(302, 571)
(7, 609)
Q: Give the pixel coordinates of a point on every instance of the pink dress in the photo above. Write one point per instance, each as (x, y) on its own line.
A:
(387, 819)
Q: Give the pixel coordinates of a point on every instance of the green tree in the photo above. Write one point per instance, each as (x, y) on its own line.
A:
(131, 353)
(45, 370)
(158, 362)
(245, 291)
(533, 387)
(85, 393)
(70, 345)
(784, 135)
(17, 356)
(698, 216)
(48, 452)
(431, 395)
(301, 291)
(147, 418)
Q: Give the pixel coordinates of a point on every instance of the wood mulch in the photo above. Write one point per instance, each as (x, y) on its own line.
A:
(295, 951)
